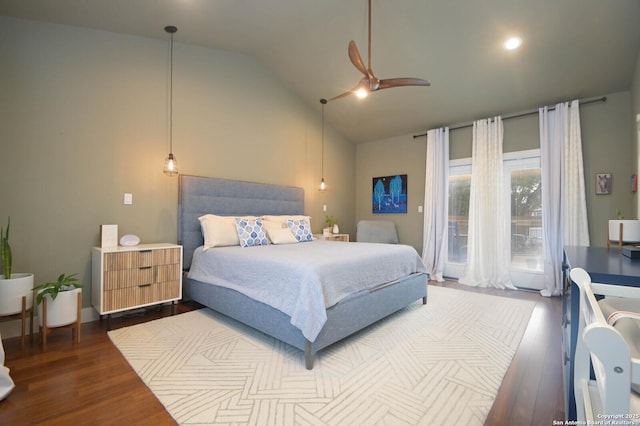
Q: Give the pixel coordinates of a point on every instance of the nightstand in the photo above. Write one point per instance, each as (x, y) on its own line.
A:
(125, 278)
(334, 237)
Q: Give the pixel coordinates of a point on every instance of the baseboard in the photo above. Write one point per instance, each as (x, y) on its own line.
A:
(13, 328)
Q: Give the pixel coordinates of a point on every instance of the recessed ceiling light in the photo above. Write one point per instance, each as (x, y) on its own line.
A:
(512, 43)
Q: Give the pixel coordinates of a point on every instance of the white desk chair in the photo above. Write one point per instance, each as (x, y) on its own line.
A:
(610, 350)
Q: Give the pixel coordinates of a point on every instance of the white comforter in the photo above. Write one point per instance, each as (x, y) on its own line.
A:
(303, 280)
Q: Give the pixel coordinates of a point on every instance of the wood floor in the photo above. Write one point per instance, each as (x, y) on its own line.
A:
(90, 383)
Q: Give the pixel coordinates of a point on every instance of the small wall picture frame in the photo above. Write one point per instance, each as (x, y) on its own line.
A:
(603, 183)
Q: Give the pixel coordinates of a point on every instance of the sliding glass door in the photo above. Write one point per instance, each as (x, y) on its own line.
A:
(523, 190)
(459, 189)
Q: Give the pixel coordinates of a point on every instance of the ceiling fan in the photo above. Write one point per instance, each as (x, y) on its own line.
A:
(371, 83)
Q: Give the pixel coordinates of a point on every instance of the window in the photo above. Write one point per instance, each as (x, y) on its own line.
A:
(523, 190)
(459, 188)
(522, 176)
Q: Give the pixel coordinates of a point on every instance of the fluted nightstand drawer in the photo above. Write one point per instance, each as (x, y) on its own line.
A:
(145, 294)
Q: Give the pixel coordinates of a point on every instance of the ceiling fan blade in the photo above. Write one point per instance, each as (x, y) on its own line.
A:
(355, 57)
(364, 83)
(398, 82)
(341, 95)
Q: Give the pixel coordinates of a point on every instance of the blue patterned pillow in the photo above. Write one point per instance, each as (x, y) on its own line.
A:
(301, 229)
(251, 232)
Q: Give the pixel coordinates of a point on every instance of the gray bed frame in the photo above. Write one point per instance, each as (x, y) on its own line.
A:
(199, 195)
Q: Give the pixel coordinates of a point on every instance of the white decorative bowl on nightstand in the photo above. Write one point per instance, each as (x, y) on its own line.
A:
(129, 240)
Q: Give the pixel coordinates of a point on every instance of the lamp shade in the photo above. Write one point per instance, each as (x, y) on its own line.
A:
(170, 165)
(323, 186)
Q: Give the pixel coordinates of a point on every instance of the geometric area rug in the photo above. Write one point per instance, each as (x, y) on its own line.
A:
(435, 364)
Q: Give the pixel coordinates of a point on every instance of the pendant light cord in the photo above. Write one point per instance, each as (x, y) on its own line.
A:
(323, 102)
(171, 30)
(171, 97)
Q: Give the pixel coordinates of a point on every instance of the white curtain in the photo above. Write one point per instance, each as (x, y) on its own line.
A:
(575, 224)
(436, 203)
(564, 214)
(489, 241)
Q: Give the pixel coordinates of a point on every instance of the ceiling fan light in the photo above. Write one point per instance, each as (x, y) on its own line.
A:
(362, 93)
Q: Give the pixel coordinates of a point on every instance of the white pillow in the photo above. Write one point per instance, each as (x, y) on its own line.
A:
(283, 218)
(281, 236)
(278, 232)
(219, 231)
(269, 225)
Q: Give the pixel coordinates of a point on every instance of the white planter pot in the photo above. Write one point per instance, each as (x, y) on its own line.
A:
(11, 292)
(63, 310)
(630, 230)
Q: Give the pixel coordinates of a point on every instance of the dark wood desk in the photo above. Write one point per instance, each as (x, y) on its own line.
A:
(604, 265)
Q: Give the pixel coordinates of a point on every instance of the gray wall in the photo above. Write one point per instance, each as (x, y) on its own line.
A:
(397, 155)
(83, 119)
(607, 147)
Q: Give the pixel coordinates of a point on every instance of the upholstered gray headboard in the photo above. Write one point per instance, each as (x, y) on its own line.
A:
(201, 195)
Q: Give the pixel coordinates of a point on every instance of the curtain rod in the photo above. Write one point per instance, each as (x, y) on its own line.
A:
(518, 114)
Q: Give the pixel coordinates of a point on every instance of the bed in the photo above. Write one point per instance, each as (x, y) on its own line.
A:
(345, 315)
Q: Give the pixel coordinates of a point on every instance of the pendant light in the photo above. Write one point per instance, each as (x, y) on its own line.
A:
(170, 163)
(323, 186)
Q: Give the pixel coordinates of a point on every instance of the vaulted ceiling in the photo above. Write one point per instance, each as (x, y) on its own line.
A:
(571, 49)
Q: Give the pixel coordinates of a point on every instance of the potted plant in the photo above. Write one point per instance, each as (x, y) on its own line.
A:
(332, 224)
(623, 231)
(61, 301)
(13, 286)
